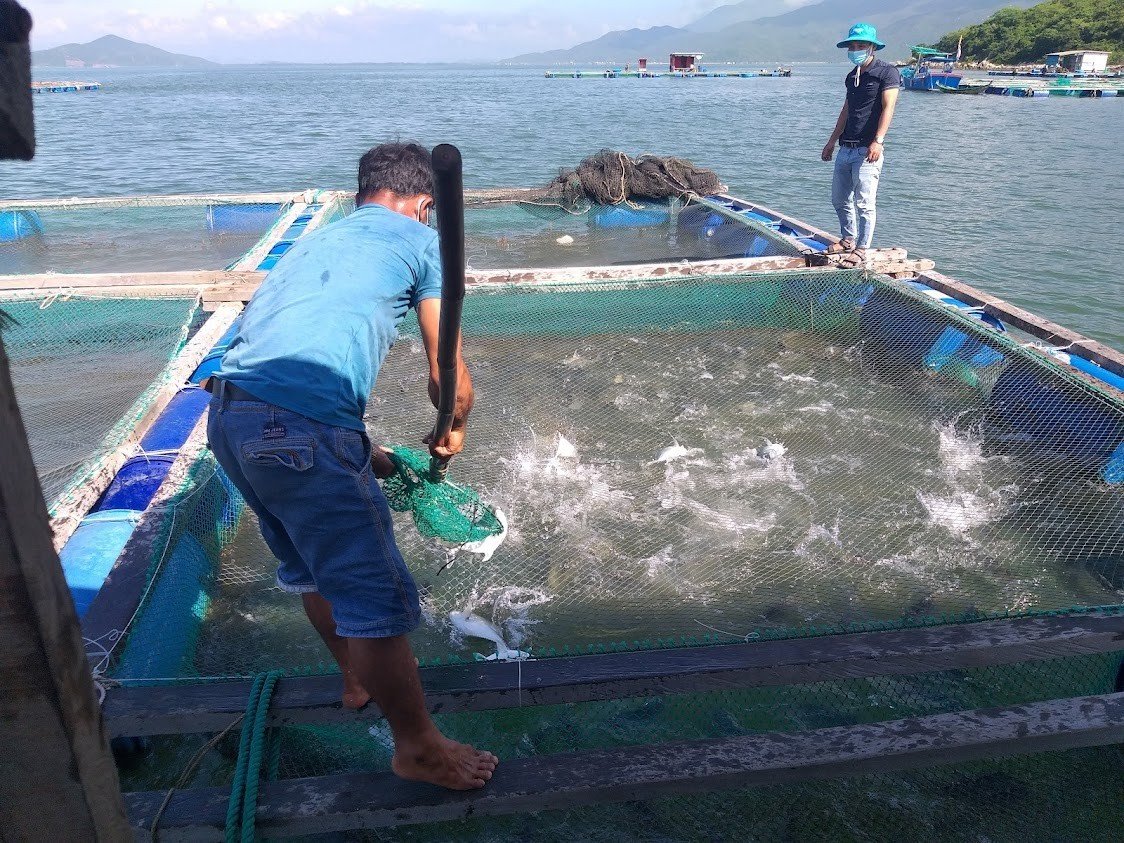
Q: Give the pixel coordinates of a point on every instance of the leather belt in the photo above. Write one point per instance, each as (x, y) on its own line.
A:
(230, 391)
(852, 144)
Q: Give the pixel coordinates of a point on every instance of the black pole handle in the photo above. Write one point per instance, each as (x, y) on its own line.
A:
(448, 197)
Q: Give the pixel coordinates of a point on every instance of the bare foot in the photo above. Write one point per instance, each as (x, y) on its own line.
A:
(355, 696)
(446, 763)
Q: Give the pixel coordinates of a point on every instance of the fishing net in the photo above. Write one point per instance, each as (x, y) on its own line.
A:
(85, 370)
(610, 177)
(739, 457)
(129, 235)
(442, 510)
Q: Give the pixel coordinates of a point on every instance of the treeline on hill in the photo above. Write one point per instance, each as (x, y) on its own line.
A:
(1018, 36)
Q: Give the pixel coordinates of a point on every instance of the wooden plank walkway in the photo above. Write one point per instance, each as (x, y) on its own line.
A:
(379, 800)
(211, 707)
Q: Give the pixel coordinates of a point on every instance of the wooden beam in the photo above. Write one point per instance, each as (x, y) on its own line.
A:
(85, 282)
(210, 707)
(523, 785)
(73, 504)
(101, 202)
(58, 778)
(791, 222)
(116, 602)
(882, 260)
(1038, 327)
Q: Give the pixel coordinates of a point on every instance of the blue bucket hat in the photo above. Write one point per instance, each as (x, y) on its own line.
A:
(862, 32)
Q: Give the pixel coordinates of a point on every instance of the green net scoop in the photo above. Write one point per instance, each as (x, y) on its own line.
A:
(443, 510)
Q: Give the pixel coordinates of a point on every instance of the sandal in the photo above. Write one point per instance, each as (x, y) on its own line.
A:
(840, 246)
(853, 259)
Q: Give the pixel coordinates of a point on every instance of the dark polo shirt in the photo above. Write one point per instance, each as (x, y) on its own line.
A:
(864, 101)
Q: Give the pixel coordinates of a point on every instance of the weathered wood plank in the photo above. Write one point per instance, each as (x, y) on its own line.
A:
(791, 222)
(58, 778)
(254, 257)
(379, 800)
(1043, 329)
(481, 686)
(76, 501)
(102, 202)
(63, 282)
(882, 260)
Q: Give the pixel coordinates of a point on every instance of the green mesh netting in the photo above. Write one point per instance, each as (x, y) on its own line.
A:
(132, 236)
(736, 457)
(442, 510)
(83, 369)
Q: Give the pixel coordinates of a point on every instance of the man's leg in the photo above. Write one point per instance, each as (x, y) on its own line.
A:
(866, 192)
(386, 667)
(319, 612)
(842, 193)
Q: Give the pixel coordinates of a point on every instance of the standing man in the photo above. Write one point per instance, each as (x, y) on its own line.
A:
(872, 93)
(286, 424)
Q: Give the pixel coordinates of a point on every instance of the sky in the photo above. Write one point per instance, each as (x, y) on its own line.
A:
(232, 31)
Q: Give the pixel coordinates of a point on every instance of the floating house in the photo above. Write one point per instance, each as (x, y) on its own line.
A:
(1078, 61)
(684, 63)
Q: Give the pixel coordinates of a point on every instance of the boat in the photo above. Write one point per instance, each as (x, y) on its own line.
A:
(929, 69)
(774, 616)
(971, 88)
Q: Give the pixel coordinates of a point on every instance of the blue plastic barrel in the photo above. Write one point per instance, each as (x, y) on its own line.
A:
(1033, 410)
(174, 425)
(619, 216)
(136, 483)
(210, 364)
(1114, 469)
(91, 552)
(162, 640)
(18, 225)
(241, 219)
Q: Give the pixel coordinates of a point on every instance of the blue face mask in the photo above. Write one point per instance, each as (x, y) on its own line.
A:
(857, 57)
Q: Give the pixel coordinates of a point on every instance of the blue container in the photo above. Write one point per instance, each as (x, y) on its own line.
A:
(210, 364)
(1033, 410)
(162, 640)
(241, 219)
(89, 555)
(18, 225)
(1114, 469)
(136, 483)
(171, 429)
(619, 216)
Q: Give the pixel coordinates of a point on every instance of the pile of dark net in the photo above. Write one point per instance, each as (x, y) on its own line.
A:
(610, 177)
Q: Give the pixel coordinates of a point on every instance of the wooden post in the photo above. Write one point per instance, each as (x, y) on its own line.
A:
(57, 776)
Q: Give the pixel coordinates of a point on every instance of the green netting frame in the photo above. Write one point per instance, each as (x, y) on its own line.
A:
(782, 307)
(86, 370)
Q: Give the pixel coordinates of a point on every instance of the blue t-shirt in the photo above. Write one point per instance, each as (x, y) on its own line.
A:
(318, 328)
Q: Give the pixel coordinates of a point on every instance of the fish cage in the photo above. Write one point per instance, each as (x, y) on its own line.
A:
(795, 551)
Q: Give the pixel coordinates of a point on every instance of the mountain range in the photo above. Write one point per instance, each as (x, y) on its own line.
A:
(113, 51)
(766, 30)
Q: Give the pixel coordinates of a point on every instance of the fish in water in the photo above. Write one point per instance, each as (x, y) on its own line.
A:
(773, 450)
(474, 626)
(489, 544)
(674, 452)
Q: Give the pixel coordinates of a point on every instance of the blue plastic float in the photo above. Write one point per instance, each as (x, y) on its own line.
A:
(18, 225)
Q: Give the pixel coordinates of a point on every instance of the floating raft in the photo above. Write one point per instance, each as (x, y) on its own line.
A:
(648, 74)
(64, 87)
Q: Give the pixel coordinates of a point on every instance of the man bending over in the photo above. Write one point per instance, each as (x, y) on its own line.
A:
(286, 424)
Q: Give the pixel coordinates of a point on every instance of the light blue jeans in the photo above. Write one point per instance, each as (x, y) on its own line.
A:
(854, 186)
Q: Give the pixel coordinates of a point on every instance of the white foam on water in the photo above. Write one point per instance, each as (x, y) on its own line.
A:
(958, 453)
(960, 511)
(797, 378)
(658, 563)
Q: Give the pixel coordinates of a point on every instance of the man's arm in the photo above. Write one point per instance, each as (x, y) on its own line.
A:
(829, 149)
(429, 318)
(889, 101)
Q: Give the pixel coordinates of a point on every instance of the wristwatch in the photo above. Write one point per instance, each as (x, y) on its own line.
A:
(880, 139)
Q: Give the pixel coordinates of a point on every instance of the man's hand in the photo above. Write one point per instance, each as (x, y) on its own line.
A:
(380, 462)
(449, 446)
(828, 151)
(874, 151)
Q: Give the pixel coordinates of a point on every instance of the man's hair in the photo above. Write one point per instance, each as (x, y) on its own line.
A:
(401, 168)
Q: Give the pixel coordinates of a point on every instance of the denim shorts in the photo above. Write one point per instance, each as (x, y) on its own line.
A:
(321, 512)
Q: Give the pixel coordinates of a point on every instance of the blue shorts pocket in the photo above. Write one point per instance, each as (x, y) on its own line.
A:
(295, 454)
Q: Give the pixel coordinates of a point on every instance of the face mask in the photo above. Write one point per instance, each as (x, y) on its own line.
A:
(857, 57)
